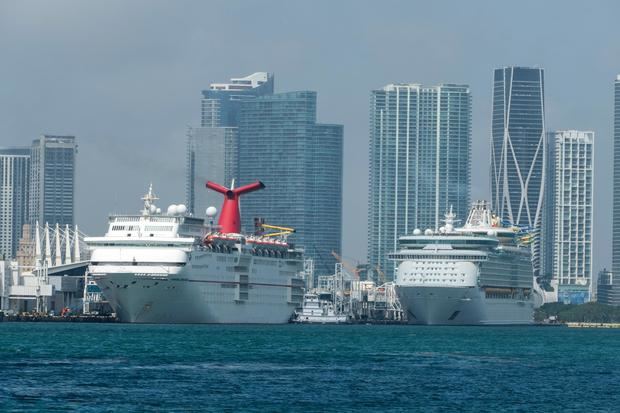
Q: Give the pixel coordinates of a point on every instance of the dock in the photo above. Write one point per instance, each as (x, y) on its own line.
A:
(43, 318)
(593, 325)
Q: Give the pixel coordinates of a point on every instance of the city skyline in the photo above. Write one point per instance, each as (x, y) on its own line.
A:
(147, 106)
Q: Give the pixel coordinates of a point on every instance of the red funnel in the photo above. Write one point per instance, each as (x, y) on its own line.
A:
(230, 218)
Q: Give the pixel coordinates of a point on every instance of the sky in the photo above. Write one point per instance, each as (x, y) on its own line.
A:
(125, 78)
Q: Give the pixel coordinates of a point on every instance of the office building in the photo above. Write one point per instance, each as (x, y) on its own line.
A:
(14, 182)
(300, 162)
(222, 101)
(420, 153)
(211, 156)
(518, 149)
(52, 180)
(608, 290)
(573, 209)
(212, 149)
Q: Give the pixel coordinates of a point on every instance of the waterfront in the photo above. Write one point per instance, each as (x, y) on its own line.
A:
(120, 367)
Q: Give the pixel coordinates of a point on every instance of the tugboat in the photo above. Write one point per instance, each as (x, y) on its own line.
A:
(316, 311)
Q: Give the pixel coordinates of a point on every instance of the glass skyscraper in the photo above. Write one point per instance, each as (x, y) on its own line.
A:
(420, 151)
(518, 149)
(222, 101)
(211, 156)
(212, 149)
(52, 180)
(573, 206)
(300, 163)
(14, 187)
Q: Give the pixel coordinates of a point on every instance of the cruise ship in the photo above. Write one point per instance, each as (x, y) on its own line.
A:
(170, 267)
(478, 274)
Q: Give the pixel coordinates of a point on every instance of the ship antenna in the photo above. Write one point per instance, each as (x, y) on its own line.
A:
(148, 200)
(450, 220)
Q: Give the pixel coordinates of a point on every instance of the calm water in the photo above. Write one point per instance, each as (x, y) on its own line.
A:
(115, 367)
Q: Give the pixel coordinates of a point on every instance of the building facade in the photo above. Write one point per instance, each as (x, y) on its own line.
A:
(52, 180)
(608, 291)
(573, 215)
(14, 189)
(300, 163)
(211, 156)
(518, 149)
(221, 103)
(212, 149)
(548, 217)
(615, 243)
(420, 151)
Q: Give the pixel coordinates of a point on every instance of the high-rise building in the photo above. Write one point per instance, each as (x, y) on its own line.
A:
(300, 162)
(420, 151)
(211, 156)
(573, 208)
(52, 180)
(548, 215)
(608, 290)
(615, 243)
(222, 101)
(14, 182)
(518, 147)
(212, 150)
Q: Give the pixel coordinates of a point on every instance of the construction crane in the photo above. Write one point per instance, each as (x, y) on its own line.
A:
(283, 231)
(280, 231)
(347, 266)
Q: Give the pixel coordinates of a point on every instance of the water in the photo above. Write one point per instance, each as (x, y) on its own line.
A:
(135, 368)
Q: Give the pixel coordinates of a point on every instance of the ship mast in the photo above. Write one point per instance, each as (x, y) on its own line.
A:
(149, 206)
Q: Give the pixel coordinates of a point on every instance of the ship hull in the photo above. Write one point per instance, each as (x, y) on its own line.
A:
(159, 300)
(207, 289)
(461, 306)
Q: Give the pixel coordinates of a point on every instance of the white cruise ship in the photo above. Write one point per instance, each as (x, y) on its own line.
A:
(157, 267)
(480, 273)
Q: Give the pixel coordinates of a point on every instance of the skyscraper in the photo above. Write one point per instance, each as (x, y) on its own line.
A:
(300, 162)
(222, 101)
(548, 215)
(518, 147)
(420, 151)
(608, 291)
(212, 150)
(52, 180)
(14, 181)
(615, 243)
(573, 206)
(211, 156)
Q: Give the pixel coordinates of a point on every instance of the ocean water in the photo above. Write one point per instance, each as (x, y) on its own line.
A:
(306, 368)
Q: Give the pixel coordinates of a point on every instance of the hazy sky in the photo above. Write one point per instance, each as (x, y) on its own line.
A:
(125, 77)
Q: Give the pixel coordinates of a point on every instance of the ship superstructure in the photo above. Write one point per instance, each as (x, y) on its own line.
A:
(480, 273)
(169, 267)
